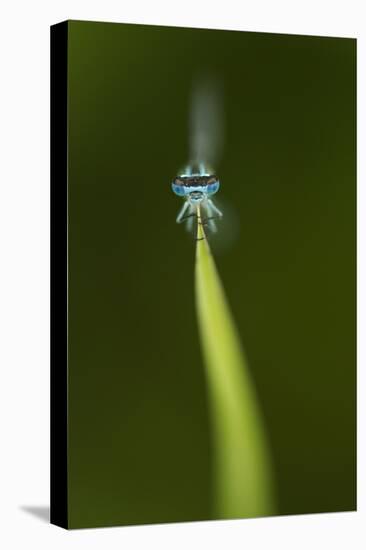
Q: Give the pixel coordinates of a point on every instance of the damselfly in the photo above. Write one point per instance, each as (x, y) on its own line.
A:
(196, 185)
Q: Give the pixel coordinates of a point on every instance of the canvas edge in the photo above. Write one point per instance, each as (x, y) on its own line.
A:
(59, 270)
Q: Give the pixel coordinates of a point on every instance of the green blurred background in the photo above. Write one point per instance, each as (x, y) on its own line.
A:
(139, 434)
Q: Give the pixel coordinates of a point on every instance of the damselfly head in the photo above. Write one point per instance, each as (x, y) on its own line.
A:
(195, 187)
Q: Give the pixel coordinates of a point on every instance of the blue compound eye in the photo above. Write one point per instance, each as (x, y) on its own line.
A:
(178, 189)
(213, 187)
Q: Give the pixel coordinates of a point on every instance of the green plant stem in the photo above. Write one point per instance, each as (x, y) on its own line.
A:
(241, 462)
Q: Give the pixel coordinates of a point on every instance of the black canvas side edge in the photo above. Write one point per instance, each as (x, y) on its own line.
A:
(355, 42)
(59, 490)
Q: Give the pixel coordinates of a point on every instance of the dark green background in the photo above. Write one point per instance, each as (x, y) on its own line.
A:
(139, 440)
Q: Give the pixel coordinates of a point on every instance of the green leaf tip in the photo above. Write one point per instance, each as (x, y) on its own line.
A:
(243, 484)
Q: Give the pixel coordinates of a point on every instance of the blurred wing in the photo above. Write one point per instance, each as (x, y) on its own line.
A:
(206, 122)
